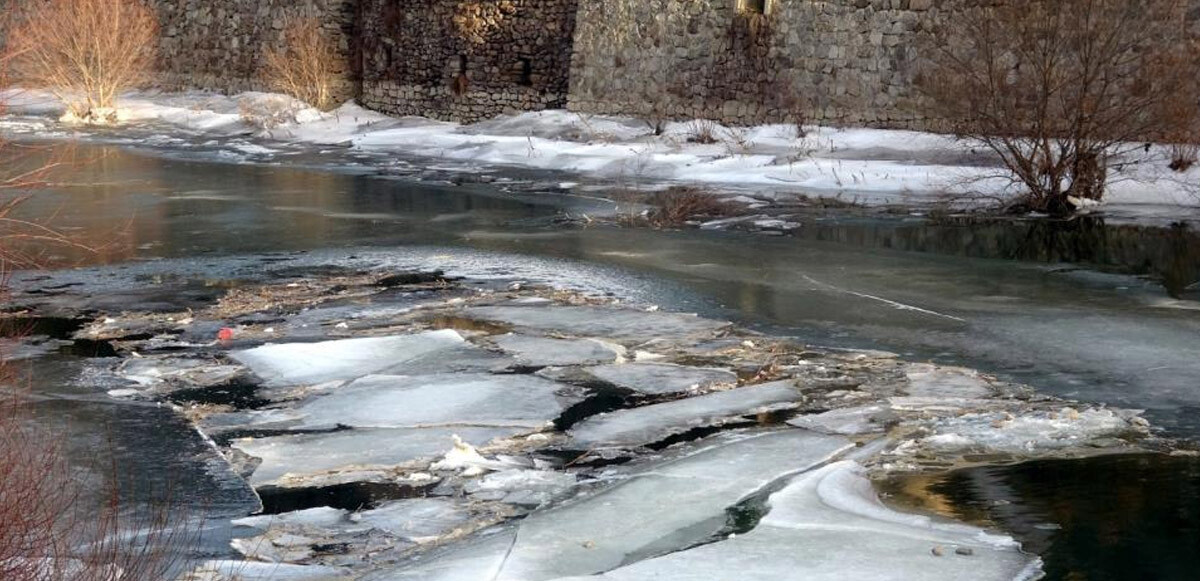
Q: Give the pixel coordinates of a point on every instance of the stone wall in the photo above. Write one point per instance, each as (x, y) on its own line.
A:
(466, 60)
(837, 61)
(219, 44)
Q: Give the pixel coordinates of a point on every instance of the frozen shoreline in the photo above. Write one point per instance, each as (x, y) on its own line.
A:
(863, 166)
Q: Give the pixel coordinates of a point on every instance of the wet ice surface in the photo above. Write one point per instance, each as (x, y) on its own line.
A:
(598, 321)
(546, 352)
(828, 525)
(391, 401)
(528, 434)
(313, 363)
(307, 455)
(661, 378)
(653, 423)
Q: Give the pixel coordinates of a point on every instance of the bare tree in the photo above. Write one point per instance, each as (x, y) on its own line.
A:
(305, 66)
(1059, 89)
(86, 52)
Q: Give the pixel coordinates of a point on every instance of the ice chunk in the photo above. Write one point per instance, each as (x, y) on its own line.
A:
(848, 421)
(521, 487)
(653, 423)
(829, 525)
(312, 363)
(478, 559)
(545, 352)
(1030, 431)
(665, 507)
(933, 381)
(320, 517)
(662, 378)
(618, 323)
(389, 401)
(287, 460)
(251, 571)
(417, 520)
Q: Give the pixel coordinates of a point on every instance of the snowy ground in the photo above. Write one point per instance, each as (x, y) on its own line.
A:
(866, 166)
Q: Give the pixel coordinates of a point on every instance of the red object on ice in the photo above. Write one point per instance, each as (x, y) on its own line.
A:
(225, 334)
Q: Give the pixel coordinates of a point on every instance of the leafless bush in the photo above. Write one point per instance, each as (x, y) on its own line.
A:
(1059, 89)
(703, 131)
(737, 140)
(86, 52)
(47, 533)
(1181, 109)
(305, 66)
(679, 205)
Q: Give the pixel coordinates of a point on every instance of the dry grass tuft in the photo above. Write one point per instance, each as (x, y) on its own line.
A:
(679, 205)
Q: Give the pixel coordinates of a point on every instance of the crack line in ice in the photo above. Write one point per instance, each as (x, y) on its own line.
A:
(898, 305)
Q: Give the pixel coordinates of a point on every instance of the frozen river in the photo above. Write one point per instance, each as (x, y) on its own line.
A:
(1109, 314)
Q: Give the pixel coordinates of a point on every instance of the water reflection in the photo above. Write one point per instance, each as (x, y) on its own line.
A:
(1169, 255)
(124, 206)
(1109, 518)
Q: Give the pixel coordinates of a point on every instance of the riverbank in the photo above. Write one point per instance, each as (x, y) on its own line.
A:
(338, 394)
(767, 169)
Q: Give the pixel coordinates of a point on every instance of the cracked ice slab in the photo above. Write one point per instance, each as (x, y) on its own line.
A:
(665, 507)
(828, 524)
(392, 401)
(313, 363)
(288, 460)
(546, 352)
(662, 378)
(653, 423)
(611, 322)
(417, 520)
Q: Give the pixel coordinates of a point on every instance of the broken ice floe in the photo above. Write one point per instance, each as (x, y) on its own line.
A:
(348, 359)
(860, 420)
(365, 424)
(292, 459)
(1031, 432)
(391, 401)
(653, 423)
(546, 352)
(595, 321)
(417, 520)
(829, 525)
(662, 508)
(251, 571)
(662, 378)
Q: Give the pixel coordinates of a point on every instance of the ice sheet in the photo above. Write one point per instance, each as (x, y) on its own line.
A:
(649, 424)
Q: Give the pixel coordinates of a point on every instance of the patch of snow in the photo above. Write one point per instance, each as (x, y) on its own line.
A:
(869, 166)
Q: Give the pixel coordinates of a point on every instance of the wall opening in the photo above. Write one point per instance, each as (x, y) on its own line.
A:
(525, 72)
(753, 6)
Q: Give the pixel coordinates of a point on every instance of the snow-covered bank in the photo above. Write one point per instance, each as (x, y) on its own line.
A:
(773, 162)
